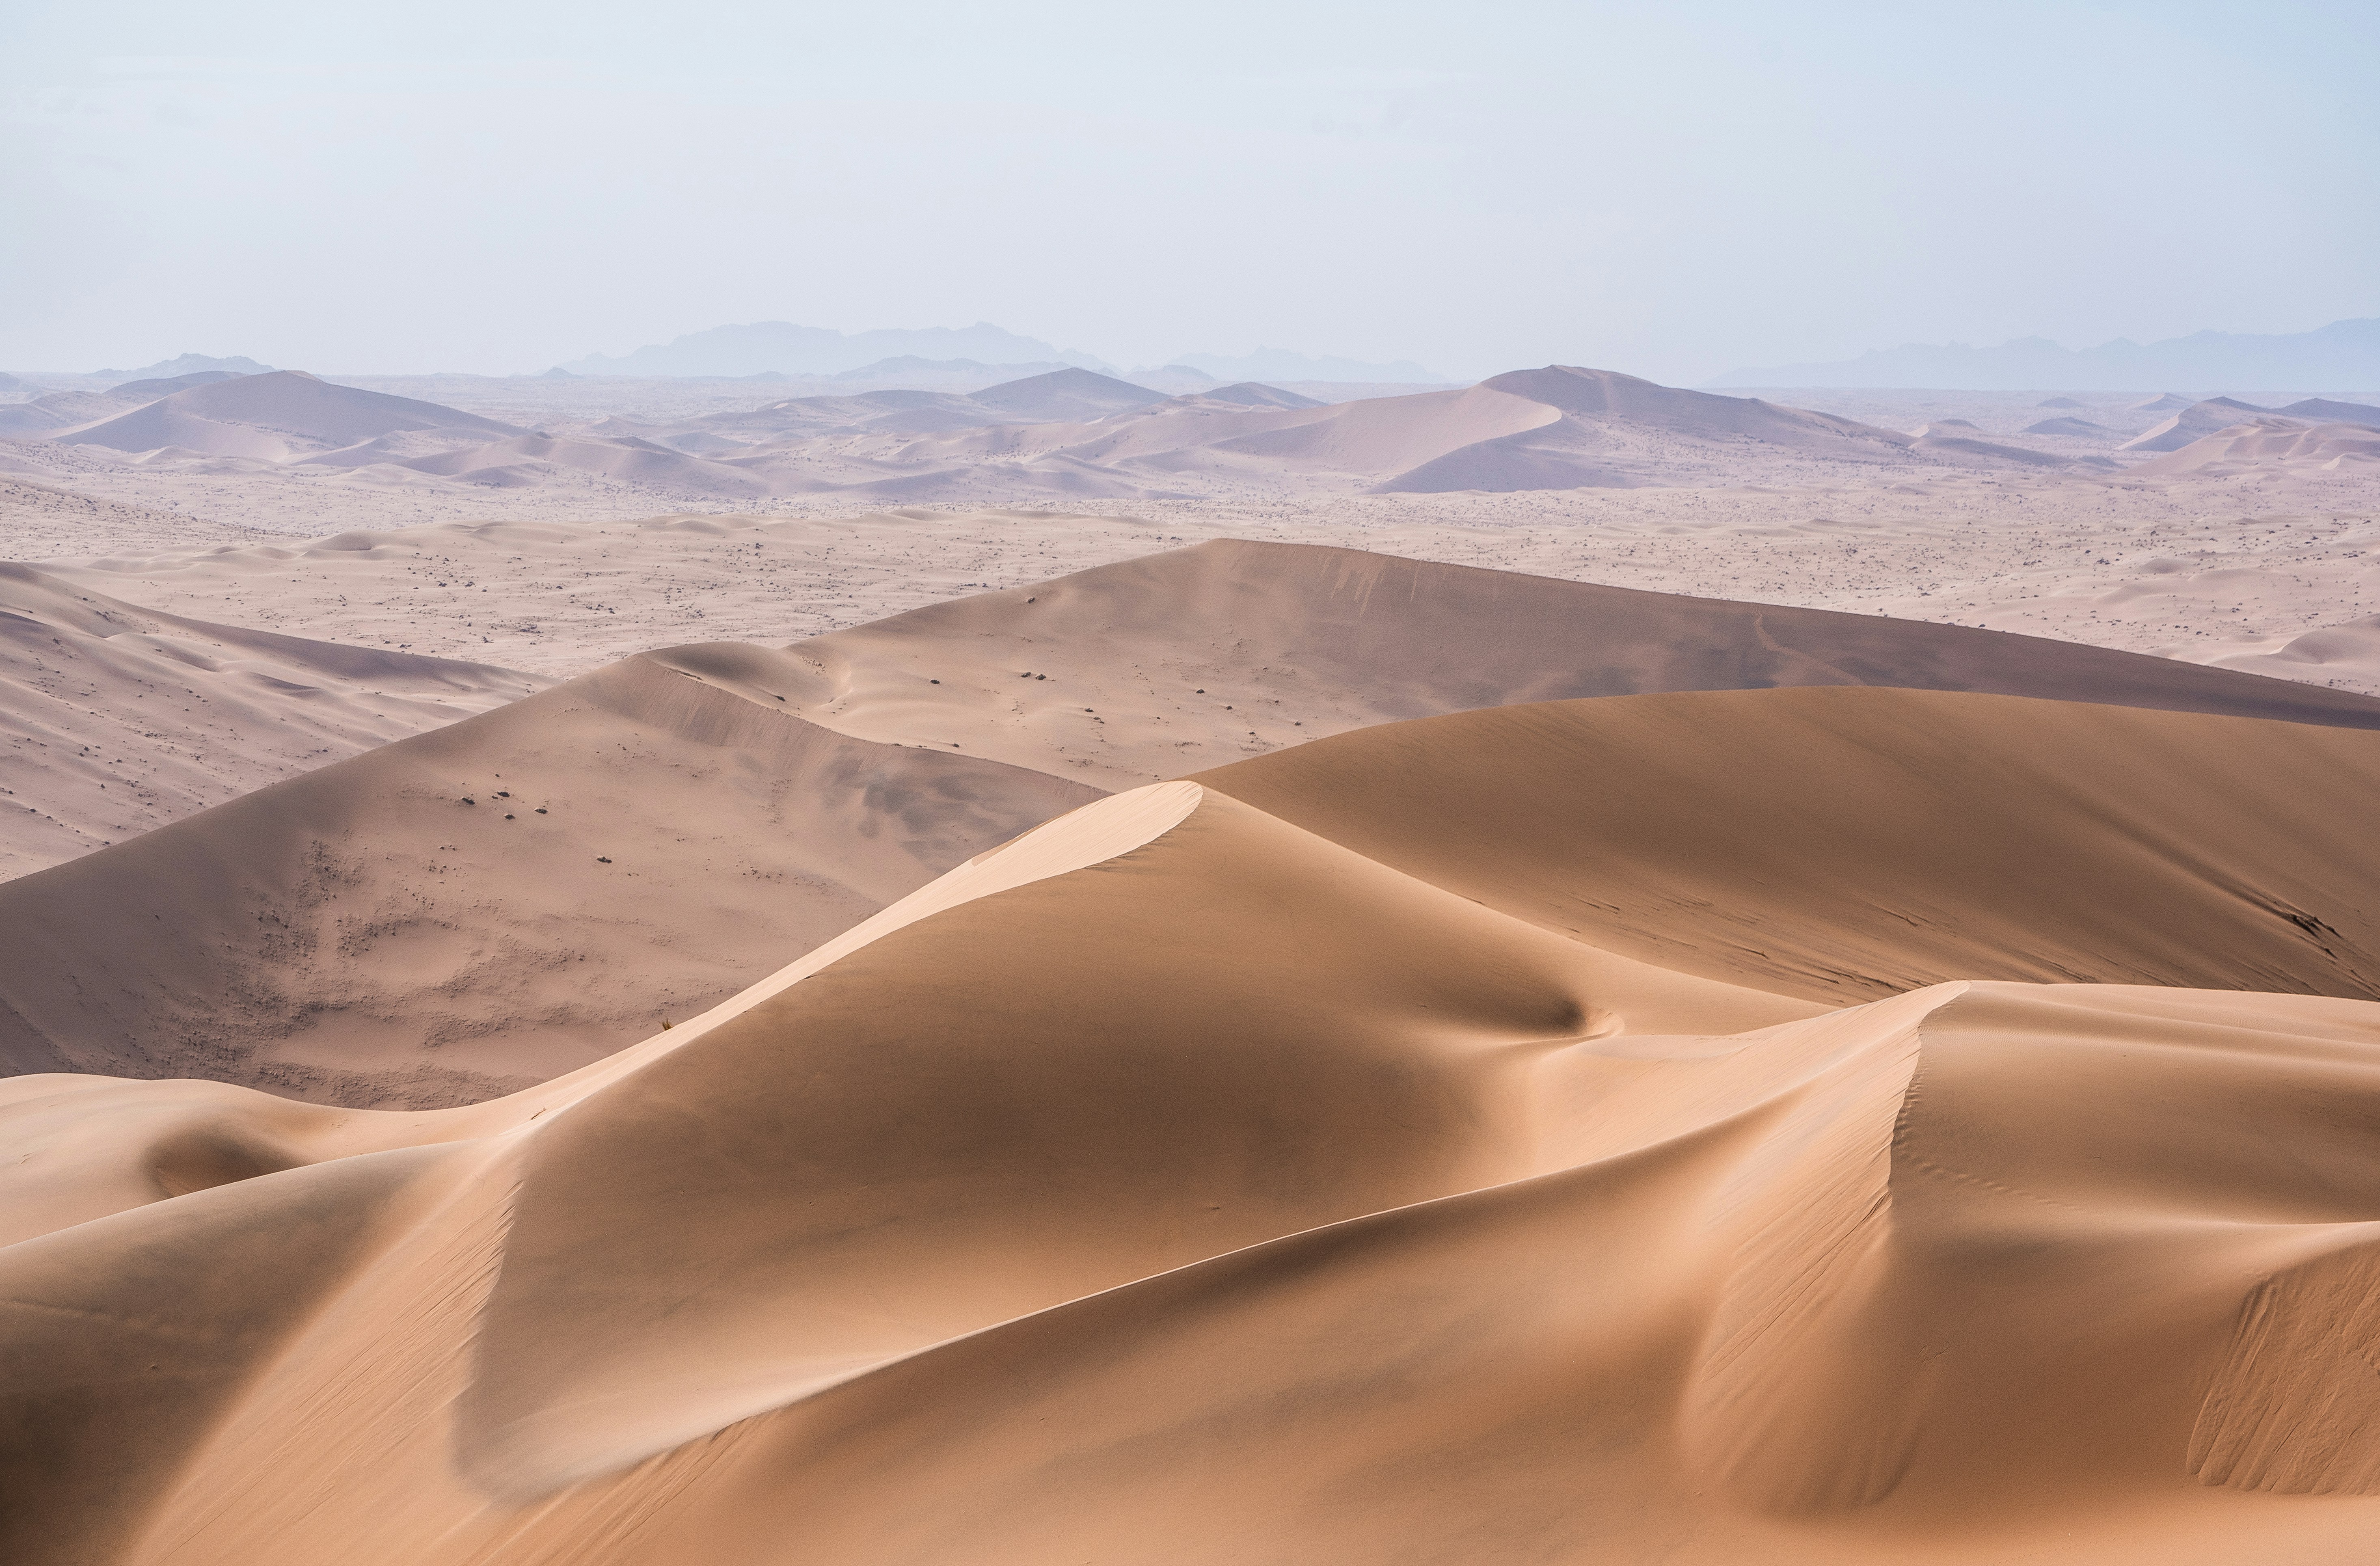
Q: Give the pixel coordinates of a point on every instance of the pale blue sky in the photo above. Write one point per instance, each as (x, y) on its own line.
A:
(1674, 191)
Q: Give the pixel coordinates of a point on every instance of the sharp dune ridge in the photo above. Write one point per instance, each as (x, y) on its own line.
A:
(1181, 1183)
(1258, 1053)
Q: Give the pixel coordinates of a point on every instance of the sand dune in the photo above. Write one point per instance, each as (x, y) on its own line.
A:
(2199, 420)
(273, 418)
(1997, 453)
(2350, 652)
(2331, 410)
(524, 460)
(2068, 426)
(1179, 1183)
(55, 410)
(165, 386)
(1068, 434)
(497, 900)
(1616, 431)
(1254, 394)
(1154, 667)
(1550, 429)
(1065, 394)
(2271, 442)
(333, 936)
(118, 720)
(1658, 826)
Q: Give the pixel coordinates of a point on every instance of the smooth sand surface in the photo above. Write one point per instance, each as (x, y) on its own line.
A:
(1153, 667)
(1728, 1078)
(642, 841)
(116, 720)
(1179, 1185)
(1845, 844)
(497, 900)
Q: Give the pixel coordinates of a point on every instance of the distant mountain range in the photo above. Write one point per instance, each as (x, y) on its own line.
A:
(2343, 356)
(189, 364)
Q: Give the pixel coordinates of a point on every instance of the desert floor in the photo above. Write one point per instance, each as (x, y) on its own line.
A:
(2226, 570)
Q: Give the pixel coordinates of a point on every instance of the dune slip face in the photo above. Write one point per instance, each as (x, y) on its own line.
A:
(1654, 1079)
(497, 901)
(1179, 1183)
(645, 840)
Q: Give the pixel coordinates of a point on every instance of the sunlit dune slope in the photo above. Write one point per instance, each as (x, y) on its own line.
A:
(1842, 844)
(1175, 1184)
(362, 937)
(1159, 666)
(2267, 443)
(496, 902)
(114, 719)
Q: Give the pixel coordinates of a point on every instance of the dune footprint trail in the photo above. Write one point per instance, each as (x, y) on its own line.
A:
(1394, 1148)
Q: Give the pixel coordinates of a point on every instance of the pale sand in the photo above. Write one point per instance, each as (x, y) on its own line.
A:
(2228, 551)
(1638, 1114)
(2218, 570)
(510, 897)
(116, 720)
(1445, 1178)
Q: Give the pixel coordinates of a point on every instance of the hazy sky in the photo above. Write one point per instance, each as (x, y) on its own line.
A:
(1670, 189)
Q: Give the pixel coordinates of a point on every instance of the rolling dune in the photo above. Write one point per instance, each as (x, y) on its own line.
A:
(496, 902)
(277, 417)
(1177, 1183)
(2273, 443)
(647, 839)
(117, 718)
(1154, 667)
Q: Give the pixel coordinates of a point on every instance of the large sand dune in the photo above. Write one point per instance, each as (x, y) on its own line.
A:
(1151, 668)
(2265, 444)
(2199, 420)
(497, 900)
(279, 416)
(1843, 844)
(361, 935)
(117, 720)
(1178, 1183)
(1558, 428)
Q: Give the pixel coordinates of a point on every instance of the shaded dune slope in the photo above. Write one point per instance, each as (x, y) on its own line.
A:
(1602, 422)
(640, 842)
(1229, 648)
(275, 417)
(1175, 1184)
(116, 718)
(360, 937)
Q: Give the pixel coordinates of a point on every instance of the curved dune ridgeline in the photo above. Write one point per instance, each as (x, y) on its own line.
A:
(1656, 1081)
(1177, 1183)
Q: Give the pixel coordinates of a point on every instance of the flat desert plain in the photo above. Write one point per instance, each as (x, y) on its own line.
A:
(1559, 971)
